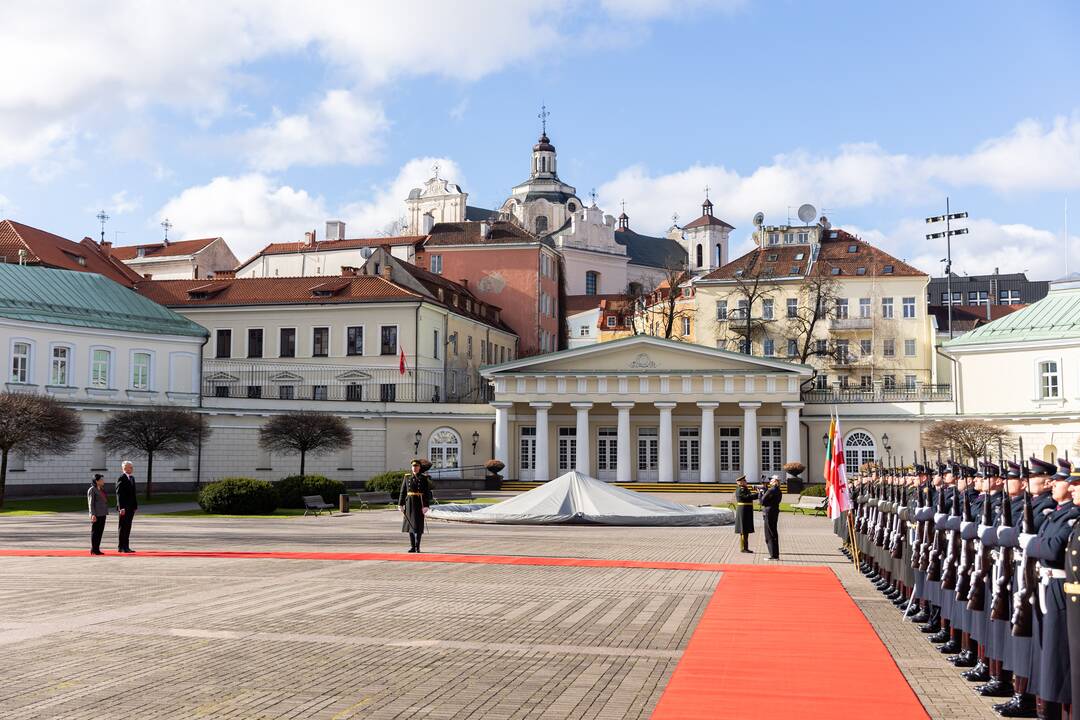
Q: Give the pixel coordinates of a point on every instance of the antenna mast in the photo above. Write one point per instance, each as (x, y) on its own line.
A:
(102, 218)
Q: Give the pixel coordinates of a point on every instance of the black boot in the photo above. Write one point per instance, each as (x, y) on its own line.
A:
(942, 636)
(952, 647)
(1021, 705)
(995, 688)
(979, 673)
(920, 615)
(964, 659)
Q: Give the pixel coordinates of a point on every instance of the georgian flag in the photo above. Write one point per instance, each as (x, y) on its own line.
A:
(401, 361)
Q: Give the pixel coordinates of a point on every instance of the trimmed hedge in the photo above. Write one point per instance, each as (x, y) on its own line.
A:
(814, 490)
(389, 482)
(239, 496)
(292, 489)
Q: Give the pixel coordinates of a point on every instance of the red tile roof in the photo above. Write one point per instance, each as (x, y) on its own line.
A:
(705, 221)
(159, 250)
(580, 303)
(284, 248)
(273, 291)
(966, 318)
(500, 232)
(49, 250)
(836, 252)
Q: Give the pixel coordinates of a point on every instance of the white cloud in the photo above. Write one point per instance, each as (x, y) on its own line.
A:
(458, 111)
(120, 203)
(1031, 158)
(652, 9)
(387, 204)
(342, 129)
(249, 211)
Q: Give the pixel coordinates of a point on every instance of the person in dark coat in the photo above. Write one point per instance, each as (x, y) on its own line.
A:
(770, 511)
(414, 499)
(127, 502)
(744, 513)
(1072, 592)
(98, 505)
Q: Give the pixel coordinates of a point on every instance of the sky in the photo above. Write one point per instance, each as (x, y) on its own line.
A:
(257, 121)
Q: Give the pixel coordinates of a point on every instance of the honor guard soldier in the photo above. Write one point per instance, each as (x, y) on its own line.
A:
(1072, 590)
(744, 513)
(414, 499)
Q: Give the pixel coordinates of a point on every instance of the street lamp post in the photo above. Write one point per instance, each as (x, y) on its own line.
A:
(887, 446)
(948, 217)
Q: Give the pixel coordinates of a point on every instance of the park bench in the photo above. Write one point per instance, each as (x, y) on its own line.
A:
(366, 499)
(441, 495)
(314, 503)
(810, 503)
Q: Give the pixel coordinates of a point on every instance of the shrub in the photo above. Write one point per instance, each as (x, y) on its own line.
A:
(388, 482)
(239, 496)
(815, 490)
(291, 490)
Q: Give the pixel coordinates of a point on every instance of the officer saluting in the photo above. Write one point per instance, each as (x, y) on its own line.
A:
(744, 513)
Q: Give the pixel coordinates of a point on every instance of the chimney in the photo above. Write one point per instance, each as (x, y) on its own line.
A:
(387, 272)
(224, 274)
(335, 230)
(106, 248)
(464, 282)
(428, 223)
(147, 276)
(309, 238)
(348, 271)
(485, 229)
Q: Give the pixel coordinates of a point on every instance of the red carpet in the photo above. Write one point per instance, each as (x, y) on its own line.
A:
(748, 658)
(774, 641)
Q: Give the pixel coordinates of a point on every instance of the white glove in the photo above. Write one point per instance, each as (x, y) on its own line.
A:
(425, 510)
(983, 529)
(1025, 540)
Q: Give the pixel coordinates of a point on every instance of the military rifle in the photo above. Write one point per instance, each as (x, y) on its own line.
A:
(1028, 580)
(937, 551)
(967, 551)
(977, 594)
(951, 568)
(901, 524)
(999, 601)
(879, 526)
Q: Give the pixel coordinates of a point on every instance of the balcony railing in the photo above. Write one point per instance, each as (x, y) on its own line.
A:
(880, 394)
(350, 383)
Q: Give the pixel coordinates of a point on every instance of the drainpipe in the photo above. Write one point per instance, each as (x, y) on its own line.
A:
(198, 451)
(955, 378)
(416, 355)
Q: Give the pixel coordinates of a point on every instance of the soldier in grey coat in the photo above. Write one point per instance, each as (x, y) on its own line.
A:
(98, 505)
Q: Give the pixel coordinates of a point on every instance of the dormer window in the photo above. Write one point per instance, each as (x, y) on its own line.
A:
(853, 248)
(800, 256)
(887, 270)
(772, 257)
(860, 271)
(833, 234)
(141, 252)
(795, 269)
(774, 238)
(835, 271)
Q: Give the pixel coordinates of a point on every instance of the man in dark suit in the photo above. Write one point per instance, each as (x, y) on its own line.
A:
(127, 503)
(770, 509)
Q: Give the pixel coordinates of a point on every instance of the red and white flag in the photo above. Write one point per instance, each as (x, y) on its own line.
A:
(401, 361)
(835, 472)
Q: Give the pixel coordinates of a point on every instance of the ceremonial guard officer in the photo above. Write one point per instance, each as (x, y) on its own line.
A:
(744, 513)
(770, 512)
(1072, 591)
(414, 499)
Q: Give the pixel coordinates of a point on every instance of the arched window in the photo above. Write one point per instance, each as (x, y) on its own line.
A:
(859, 449)
(444, 452)
(1050, 453)
(592, 280)
(634, 288)
(700, 256)
(541, 224)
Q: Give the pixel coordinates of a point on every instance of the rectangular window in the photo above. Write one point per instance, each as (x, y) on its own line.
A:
(590, 282)
(1049, 380)
(20, 362)
(610, 321)
(468, 345)
(567, 450)
(685, 326)
(889, 382)
(841, 309)
(865, 382)
(978, 297)
(255, 343)
(744, 309)
(843, 354)
(821, 347)
(354, 340)
(254, 391)
(527, 447)
(287, 392)
(59, 366)
(770, 450)
(584, 331)
(1009, 297)
(909, 307)
(909, 347)
(287, 342)
(223, 347)
(821, 382)
(774, 238)
(792, 307)
(320, 342)
(387, 392)
(140, 371)
(792, 348)
(436, 264)
(887, 308)
(648, 454)
(866, 348)
(909, 382)
(888, 347)
(767, 309)
(768, 347)
(864, 307)
(721, 309)
(354, 392)
(318, 392)
(607, 451)
(388, 344)
(435, 345)
(843, 381)
(730, 450)
(789, 238)
(221, 391)
(99, 368)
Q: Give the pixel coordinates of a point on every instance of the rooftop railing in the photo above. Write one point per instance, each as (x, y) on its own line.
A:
(880, 393)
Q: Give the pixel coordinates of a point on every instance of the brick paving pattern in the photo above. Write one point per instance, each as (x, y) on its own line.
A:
(213, 638)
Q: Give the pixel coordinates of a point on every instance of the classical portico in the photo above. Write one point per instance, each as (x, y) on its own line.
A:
(642, 409)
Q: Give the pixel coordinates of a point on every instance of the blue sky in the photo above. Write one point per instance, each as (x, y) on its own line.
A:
(257, 121)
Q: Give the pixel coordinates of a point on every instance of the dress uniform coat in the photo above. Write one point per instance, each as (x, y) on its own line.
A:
(744, 510)
(127, 499)
(1072, 606)
(415, 495)
(770, 507)
(1022, 653)
(1049, 548)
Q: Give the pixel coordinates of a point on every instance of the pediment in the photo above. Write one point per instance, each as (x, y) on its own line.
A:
(221, 377)
(646, 355)
(353, 376)
(286, 377)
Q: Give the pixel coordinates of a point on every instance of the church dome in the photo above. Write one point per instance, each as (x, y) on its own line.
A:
(543, 144)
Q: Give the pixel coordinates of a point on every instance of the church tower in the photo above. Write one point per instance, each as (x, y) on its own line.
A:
(706, 240)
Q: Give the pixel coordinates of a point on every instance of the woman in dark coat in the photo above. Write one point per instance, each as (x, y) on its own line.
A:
(744, 513)
(414, 499)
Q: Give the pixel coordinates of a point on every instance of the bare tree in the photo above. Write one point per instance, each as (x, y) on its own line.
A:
(304, 431)
(167, 432)
(661, 312)
(754, 284)
(816, 301)
(973, 439)
(34, 425)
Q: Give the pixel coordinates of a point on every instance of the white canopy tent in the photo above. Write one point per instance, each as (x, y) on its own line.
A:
(577, 498)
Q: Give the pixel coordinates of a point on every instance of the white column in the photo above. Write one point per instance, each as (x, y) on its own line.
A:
(622, 469)
(666, 471)
(751, 442)
(582, 465)
(542, 473)
(793, 451)
(708, 442)
(502, 432)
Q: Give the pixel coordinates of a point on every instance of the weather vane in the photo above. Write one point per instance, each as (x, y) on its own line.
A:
(592, 194)
(706, 192)
(168, 226)
(435, 169)
(623, 204)
(102, 218)
(675, 219)
(543, 119)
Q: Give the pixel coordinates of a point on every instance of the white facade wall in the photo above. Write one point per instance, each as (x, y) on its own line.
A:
(322, 263)
(583, 328)
(611, 269)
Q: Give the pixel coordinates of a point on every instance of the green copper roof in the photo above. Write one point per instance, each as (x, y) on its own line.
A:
(82, 299)
(1055, 317)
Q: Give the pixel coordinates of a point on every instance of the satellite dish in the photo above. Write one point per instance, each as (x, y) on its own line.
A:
(807, 212)
(759, 219)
